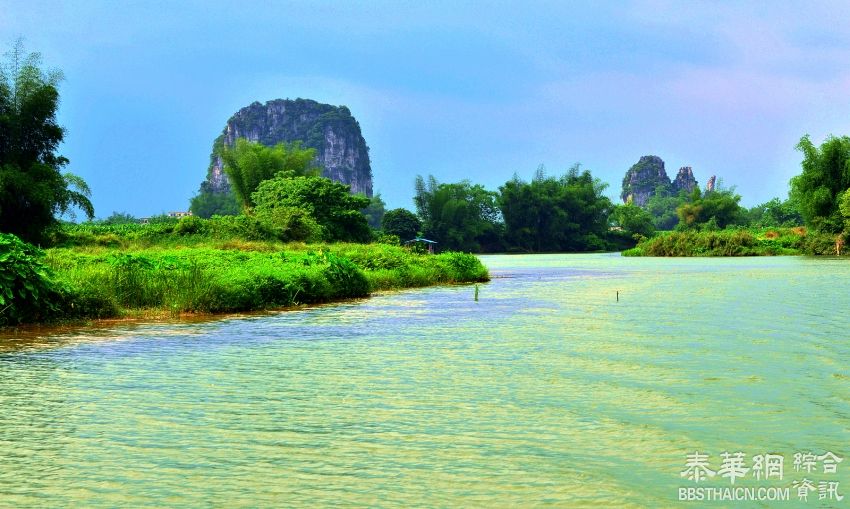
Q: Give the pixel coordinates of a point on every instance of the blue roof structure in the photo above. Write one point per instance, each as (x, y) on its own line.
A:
(420, 239)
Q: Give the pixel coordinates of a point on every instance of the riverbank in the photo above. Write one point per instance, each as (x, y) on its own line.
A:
(208, 276)
(737, 242)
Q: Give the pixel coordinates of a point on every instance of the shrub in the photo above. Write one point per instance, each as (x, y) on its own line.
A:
(820, 243)
(27, 291)
(190, 225)
(345, 277)
(327, 202)
(291, 223)
(463, 267)
(782, 241)
(240, 227)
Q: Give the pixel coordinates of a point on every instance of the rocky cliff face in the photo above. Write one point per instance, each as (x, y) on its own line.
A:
(684, 180)
(648, 174)
(332, 131)
(643, 178)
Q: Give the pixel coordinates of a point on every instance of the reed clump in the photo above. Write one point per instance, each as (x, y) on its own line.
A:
(728, 242)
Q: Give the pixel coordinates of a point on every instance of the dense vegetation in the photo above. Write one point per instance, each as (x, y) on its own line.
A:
(629, 223)
(319, 207)
(193, 265)
(462, 216)
(774, 212)
(374, 211)
(248, 164)
(711, 210)
(28, 291)
(823, 184)
(256, 276)
(714, 224)
(547, 214)
(402, 223)
(727, 242)
(567, 213)
(208, 204)
(33, 188)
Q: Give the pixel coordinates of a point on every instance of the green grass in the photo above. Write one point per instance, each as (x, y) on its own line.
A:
(188, 231)
(220, 265)
(205, 277)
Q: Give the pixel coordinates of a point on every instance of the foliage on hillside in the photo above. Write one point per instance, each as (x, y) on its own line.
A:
(330, 131)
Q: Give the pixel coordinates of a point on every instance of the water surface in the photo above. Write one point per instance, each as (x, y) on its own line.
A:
(545, 392)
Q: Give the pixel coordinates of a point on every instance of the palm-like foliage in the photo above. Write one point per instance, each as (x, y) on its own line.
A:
(33, 189)
(247, 164)
(817, 191)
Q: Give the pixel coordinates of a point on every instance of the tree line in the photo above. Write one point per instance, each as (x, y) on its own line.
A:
(569, 212)
(280, 187)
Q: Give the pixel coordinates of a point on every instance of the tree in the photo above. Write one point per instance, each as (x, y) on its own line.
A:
(120, 218)
(775, 213)
(567, 213)
(459, 216)
(329, 204)
(662, 207)
(402, 223)
(826, 175)
(207, 204)
(844, 208)
(633, 220)
(33, 189)
(374, 212)
(714, 209)
(247, 164)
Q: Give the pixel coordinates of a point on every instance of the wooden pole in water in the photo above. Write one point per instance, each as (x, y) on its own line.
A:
(476, 293)
(618, 295)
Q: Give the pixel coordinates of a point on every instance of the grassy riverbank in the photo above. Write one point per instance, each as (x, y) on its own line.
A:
(736, 242)
(139, 270)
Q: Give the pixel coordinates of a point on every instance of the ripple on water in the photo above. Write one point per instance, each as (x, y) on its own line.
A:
(547, 391)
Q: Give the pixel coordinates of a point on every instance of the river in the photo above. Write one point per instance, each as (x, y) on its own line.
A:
(573, 381)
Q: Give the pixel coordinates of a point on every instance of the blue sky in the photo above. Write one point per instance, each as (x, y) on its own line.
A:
(476, 90)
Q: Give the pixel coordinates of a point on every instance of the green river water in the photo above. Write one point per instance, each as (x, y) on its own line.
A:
(547, 391)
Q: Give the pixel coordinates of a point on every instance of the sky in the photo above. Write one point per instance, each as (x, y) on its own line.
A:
(460, 90)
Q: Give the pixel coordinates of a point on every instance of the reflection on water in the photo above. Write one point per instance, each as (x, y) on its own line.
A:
(547, 391)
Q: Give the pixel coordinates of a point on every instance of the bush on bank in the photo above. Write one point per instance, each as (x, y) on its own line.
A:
(737, 242)
(27, 290)
(31, 292)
